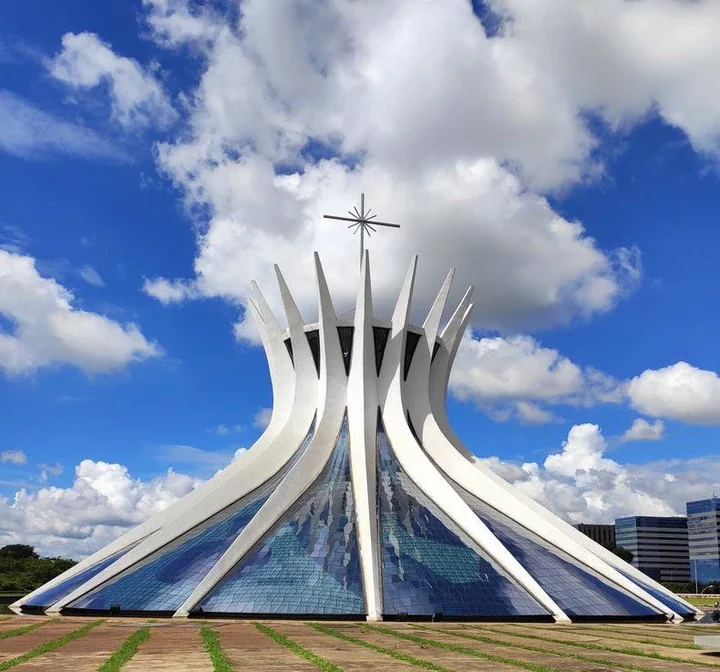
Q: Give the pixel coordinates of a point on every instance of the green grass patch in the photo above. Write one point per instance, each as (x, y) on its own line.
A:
(418, 662)
(25, 628)
(323, 664)
(629, 651)
(613, 664)
(218, 657)
(126, 651)
(533, 667)
(53, 644)
(702, 601)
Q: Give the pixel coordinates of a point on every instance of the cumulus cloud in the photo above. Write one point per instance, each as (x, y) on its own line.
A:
(103, 501)
(642, 430)
(137, 97)
(678, 392)
(625, 59)
(516, 376)
(13, 457)
(286, 88)
(46, 328)
(30, 133)
(581, 484)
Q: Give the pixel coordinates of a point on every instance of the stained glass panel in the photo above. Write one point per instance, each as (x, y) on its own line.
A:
(429, 566)
(52, 595)
(575, 589)
(164, 580)
(309, 563)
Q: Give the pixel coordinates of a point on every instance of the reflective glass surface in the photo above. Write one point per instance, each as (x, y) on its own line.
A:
(309, 563)
(576, 590)
(166, 578)
(48, 597)
(677, 606)
(429, 566)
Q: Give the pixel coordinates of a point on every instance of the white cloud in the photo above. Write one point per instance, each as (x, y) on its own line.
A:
(262, 418)
(169, 291)
(91, 276)
(137, 97)
(532, 414)
(30, 133)
(13, 457)
(47, 470)
(626, 59)
(678, 392)
(47, 329)
(103, 501)
(432, 154)
(515, 376)
(642, 430)
(582, 485)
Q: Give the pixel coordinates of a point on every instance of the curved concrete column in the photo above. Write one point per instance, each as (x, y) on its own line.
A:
(362, 412)
(421, 470)
(330, 414)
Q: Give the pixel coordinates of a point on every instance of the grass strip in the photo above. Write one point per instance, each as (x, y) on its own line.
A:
(323, 664)
(218, 657)
(460, 649)
(418, 662)
(126, 651)
(632, 637)
(629, 651)
(26, 628)
(612, 664)
(53, 644)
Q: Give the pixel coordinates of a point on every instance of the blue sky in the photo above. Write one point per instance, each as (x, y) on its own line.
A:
(156, 157)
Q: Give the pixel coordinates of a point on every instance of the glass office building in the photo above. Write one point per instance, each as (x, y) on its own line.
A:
(704, 536)
(659, 545)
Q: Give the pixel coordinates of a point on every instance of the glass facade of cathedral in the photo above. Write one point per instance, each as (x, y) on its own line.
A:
(164, 580)
(309, 563)
(429, 566)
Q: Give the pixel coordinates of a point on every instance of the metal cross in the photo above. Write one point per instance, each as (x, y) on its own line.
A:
(362, 221)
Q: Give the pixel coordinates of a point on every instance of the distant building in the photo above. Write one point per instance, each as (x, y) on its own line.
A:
(704, 537)
(602, 534)
(659, 545)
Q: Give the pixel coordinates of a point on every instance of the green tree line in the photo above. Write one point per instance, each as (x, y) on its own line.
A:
(22, 569)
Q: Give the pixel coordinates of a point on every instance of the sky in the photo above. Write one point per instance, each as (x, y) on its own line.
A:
(158, 155)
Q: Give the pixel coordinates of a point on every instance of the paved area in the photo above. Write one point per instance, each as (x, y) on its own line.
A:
(353, 647)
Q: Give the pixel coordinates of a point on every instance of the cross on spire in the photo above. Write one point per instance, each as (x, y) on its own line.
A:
(361, 221)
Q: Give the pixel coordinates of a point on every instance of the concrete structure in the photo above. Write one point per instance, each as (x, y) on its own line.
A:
(704, 537)
(659, 545)
(358, 500)
(601, 534)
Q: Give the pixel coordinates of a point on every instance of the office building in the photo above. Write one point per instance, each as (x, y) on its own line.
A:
(659, 545)
(704, 538)
(602, 534)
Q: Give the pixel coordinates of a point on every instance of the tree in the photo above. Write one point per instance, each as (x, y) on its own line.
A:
(22, 569)
(18, 552)
(623, 553)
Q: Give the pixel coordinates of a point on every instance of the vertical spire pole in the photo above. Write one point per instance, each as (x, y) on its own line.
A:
(362, 229)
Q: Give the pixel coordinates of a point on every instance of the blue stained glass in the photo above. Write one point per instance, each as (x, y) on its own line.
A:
(674, 604)
(50, 596)
(309, 563)
(429, 565)
(164, 580)
(576, 590)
